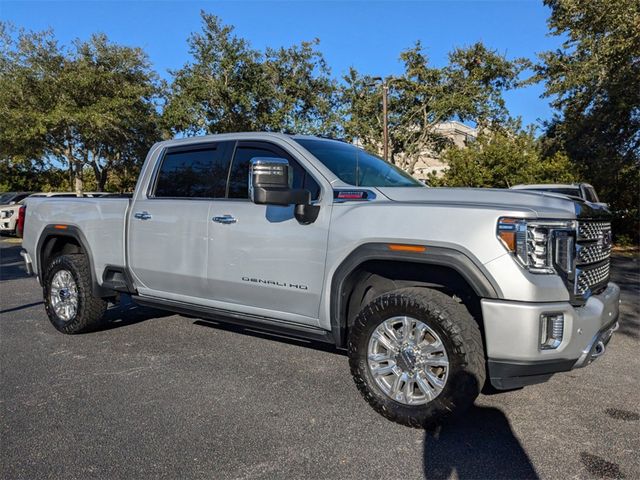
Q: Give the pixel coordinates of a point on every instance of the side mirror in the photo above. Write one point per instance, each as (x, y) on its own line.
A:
(269, 185)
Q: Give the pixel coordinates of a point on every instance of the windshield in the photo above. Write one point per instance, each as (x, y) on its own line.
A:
(6, 197)
(356, 167)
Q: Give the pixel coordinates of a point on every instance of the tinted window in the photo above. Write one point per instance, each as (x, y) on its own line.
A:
(19, 197)
(590, 194)
(357, 167)
(194, 173)
(239, 178)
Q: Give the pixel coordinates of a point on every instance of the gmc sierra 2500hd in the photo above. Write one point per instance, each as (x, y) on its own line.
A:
(432, 291)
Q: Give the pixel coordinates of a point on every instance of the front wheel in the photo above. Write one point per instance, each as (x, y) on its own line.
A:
(416, 356)
(68, 296)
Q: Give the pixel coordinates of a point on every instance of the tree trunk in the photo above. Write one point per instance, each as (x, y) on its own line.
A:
(79, 181)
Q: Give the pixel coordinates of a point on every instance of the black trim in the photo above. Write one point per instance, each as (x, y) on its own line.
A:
(74, 232)
(440, 256)
(118, 279)
(246, 320)
(505, 375)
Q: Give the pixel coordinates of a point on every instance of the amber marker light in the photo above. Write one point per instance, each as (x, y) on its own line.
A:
(507, 233)
(60, 227)
(398, 247)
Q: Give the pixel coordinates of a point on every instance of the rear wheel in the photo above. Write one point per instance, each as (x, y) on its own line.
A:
(68, 296)
(416, 356)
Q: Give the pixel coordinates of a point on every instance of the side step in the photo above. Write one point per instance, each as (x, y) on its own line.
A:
(280, 327)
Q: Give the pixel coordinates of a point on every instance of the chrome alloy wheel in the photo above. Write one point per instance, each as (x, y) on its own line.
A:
(408, 360)
(63, 295)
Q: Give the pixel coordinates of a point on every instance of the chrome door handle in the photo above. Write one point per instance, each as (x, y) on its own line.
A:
(142, 215)
(225, 219)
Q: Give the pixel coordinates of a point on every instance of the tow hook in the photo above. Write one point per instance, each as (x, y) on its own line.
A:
(598, 351)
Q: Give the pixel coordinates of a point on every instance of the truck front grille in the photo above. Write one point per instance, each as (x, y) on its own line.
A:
(593, 251)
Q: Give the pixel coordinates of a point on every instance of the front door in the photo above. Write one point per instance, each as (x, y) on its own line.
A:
(261, 260)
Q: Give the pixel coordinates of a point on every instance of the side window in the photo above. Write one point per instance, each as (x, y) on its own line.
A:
(590, 193)
(199, 172)
(239, 177)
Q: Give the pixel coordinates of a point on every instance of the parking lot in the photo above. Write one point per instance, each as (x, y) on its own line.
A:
(165, 396)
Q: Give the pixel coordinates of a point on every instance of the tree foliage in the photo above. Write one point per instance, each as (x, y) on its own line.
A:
(230, 86)
(503, 158)
(468, 88)
(593, 80)
(92, 105)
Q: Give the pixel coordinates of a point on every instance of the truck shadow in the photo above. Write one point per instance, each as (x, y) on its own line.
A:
(267, 335)
(126, 313)
(11, 263)
(480, 444)
(625, 271)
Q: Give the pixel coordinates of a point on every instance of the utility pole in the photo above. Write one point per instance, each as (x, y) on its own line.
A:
(384, 83)
(385, 121)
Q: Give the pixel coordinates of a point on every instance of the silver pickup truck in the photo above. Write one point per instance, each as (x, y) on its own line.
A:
(434, 292)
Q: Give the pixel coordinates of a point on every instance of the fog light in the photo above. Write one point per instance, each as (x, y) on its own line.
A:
(551, 330)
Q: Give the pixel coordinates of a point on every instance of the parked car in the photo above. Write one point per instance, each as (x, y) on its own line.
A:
(430, 290)
(10, 214)
(580, 190)
(11, 198)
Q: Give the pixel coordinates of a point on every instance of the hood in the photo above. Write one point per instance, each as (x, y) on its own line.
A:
(540, 204)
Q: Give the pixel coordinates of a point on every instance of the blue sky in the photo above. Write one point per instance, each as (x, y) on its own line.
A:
(366, 35)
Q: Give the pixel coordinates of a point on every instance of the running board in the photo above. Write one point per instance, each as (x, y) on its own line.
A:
(239, 319)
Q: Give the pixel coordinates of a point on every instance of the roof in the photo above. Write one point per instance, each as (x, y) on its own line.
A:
(545, 186)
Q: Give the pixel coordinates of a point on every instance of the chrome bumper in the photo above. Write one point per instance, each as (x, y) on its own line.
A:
(597, 346)
(513, 343)
(28, 264)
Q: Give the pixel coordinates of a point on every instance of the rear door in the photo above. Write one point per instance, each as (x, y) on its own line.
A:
(169, 223)
(264, 262)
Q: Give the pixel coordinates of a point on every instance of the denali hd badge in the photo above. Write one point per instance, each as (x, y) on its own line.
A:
(275, 283)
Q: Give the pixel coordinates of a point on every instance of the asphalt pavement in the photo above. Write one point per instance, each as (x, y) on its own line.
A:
(156, 395)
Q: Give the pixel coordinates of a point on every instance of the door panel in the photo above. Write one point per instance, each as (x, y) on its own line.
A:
(168, 226)
(168, 252)
(266, 259)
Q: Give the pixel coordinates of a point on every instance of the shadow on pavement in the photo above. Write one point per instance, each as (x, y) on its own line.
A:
(21, 307)
(11, 263)
(126, 313)
(257, 332)
(626, 273)
(480, 444)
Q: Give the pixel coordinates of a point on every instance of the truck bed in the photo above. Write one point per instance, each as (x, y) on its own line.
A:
(101, 220)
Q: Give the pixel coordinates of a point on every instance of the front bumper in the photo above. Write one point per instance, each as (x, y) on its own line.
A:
(512, 333)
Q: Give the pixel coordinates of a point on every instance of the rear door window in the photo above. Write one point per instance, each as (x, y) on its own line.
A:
(194, 172)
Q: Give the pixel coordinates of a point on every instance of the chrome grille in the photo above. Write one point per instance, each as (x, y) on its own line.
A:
(592, 230)
(593, 250)
(592, 253)
(593, 277)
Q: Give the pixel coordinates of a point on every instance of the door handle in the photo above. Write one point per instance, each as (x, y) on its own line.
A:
(225, 219)
(142, 215)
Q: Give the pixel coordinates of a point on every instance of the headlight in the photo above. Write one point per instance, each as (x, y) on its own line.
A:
(541, 246)
(6, 213)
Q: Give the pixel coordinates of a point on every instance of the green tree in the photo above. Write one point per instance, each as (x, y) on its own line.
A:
(468, 88)
(229, 87)
(594, 82)
(92, 105)
(503, 158)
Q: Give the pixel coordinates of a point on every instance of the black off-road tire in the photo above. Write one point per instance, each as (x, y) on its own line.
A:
(460, 334)
(90, 309)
